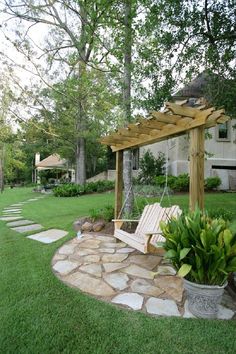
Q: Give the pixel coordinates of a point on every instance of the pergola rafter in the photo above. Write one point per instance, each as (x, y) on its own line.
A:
(175, 120)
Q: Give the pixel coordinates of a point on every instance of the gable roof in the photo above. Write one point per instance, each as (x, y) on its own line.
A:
(52, 161)
(196, 88)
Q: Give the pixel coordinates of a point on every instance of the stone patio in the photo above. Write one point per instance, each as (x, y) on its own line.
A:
(114, 272)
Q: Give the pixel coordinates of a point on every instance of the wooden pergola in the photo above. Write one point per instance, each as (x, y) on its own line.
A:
(175, 120)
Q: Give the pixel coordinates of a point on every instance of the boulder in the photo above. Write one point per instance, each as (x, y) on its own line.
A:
(98, 226)
(87, 226)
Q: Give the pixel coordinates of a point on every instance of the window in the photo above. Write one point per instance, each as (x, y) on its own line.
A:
(223, 132)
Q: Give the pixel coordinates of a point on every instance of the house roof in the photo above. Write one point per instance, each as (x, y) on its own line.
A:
(52, 161)
(196, 88)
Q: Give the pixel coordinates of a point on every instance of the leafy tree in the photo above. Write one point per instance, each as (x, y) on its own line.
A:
(150, 167)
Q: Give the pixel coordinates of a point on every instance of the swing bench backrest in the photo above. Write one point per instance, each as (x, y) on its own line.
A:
(148, 226)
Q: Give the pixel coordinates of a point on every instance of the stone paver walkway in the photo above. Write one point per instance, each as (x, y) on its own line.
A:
(18, 224)
(98, 265)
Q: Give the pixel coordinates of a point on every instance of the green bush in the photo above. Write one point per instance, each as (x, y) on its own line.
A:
(182, 183)
(161, 181)
(212, 183)
(74, 190)
(150, 167)
(203, 250)
(221, 213)
(106, 213)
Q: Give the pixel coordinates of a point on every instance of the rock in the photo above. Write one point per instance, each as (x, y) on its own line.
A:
(117, 280)
(125, 250)
(98, 226)
(87, 226)
(162, 307)
(166, 270)
(111, 267)
(172, 285)
(146, 261)
(77, 225)
(93, 243)
(138, 271)
(94, 269)
(67, 249)
(64, 267)
(93, 258)
(106, 250)
(85, 252)
(89, 284)
(114, 257)
(135, 301)
(106, 238)
(142, 286)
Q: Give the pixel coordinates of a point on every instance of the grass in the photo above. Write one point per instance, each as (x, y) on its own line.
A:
(39, 314)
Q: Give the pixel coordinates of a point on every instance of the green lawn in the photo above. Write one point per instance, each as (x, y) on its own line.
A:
(39, 314)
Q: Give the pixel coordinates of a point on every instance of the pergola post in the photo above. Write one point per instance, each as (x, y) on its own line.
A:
(119, 183)
(197, 151)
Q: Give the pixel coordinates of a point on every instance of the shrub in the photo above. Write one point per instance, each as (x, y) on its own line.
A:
(106, 213)
(203, 250)
(150, 167)
(73, 190)
(221, 213)
(212, 183)
(161, 180)
(182, 183)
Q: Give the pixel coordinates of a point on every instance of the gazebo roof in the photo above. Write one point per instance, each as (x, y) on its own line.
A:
(175, 120)
(52, 161)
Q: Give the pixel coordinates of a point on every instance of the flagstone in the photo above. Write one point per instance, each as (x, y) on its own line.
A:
(133, 300)
(16, 205)
(162, 307)
(111, 267)
(90, 243)
(85, 252)
(49, 236)
(138, 271)
(172, 285)
(27, 228)
(166, 270)
(144, 287)
(146, 261)
(113, 244)
(10, 218)
(64, 267)
(93, 258)
(106, 250)
(11, 210)
(114, 257)
(20, 223)
(59, 257)
(94, 269)
(89, 284)
(125, 250)
(67, 249)
(105, 238)
(117, 280)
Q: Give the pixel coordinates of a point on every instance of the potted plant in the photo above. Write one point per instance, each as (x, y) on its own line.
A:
(203, 251)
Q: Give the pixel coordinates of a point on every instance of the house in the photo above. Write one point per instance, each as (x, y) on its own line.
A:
(220, 144)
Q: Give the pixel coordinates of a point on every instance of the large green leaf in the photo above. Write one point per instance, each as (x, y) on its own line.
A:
(184, 270)
(183, 253)
(170, 254)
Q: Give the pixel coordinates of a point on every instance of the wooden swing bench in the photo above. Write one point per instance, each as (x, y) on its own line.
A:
(148, 231)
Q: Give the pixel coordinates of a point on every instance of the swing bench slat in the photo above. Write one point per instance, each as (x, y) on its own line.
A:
(148, 227)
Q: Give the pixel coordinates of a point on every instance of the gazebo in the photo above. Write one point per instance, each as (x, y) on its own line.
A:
(174, 120)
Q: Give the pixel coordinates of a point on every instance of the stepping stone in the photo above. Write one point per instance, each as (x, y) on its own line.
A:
(16, 205)
(111, 267)
(94, 269)
(89, 284)
(114, 257)
(138, 271)
(135, 301)
(27, 228)
(64, 267)
(117, 280)
(49, 236)
(173, 286)
(32, 200)
(67, 249)
(162, 307)
(125, 250)
(20, 223)
(11, 210)
(144, 287)
(146, 261)
(10, 218)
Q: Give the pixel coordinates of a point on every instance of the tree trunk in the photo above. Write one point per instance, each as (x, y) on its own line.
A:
(127, 172)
